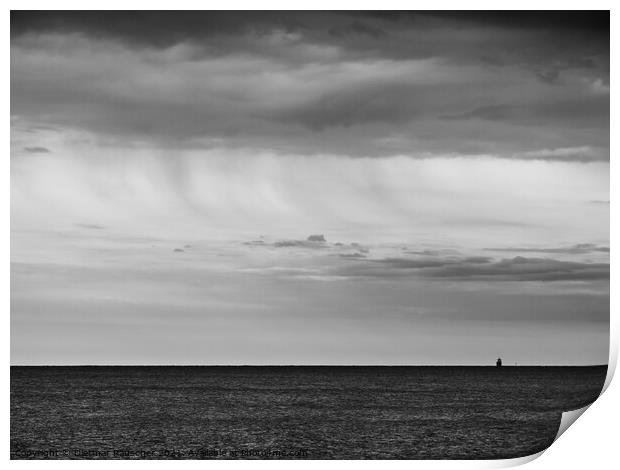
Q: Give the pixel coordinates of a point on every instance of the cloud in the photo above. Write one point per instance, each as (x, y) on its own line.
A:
(491, 112)
(91, 226)
(312, 241)
(582, 154)
(371, 85)
(255, 243)
(351, 251)
(478, 259)
(479, 268)
(527, 269)
(549, 76)
(599, 87)
(298, 243)
(369, 200)
(162, 30)
(409, 263)
(580, 248)
(590, 111)
(36, 150)
(373, 104)
(352, 255)
(208, 128)
(357, 28)
(445, 251)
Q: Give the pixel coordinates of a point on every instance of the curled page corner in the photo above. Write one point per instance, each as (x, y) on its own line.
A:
(568, 418)
(518, 461)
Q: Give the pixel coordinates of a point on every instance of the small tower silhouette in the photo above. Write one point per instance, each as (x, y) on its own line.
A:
(499, 362)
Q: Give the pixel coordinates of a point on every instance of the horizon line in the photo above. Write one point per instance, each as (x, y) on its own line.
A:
(308, 365)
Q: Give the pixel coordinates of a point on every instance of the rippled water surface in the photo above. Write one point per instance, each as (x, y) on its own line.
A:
(292, 412)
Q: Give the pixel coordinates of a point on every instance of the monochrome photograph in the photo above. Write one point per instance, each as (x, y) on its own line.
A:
(306, 235)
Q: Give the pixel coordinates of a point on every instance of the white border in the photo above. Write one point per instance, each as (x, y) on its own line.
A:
(591, 443)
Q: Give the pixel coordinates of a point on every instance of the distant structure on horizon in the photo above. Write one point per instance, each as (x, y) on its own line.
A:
(498, 363)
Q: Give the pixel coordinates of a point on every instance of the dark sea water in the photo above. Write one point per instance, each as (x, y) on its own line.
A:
(292, 412)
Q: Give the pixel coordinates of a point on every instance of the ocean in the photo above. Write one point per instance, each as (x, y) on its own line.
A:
(290, 412)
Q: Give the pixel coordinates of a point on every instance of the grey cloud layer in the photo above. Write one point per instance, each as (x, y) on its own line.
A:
(512, 85)
(451, 264)
(314, 242)
(575, 249)
(36, 150)
(480, 268)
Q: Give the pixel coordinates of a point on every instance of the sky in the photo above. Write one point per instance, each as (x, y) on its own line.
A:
(309, 187)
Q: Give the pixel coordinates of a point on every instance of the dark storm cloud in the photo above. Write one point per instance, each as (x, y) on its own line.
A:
(161, 28)
(595, 22)
(549, 76)
(568, 110)
(371, 104)
(479, 268)
(353, 83)
(356, 28)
